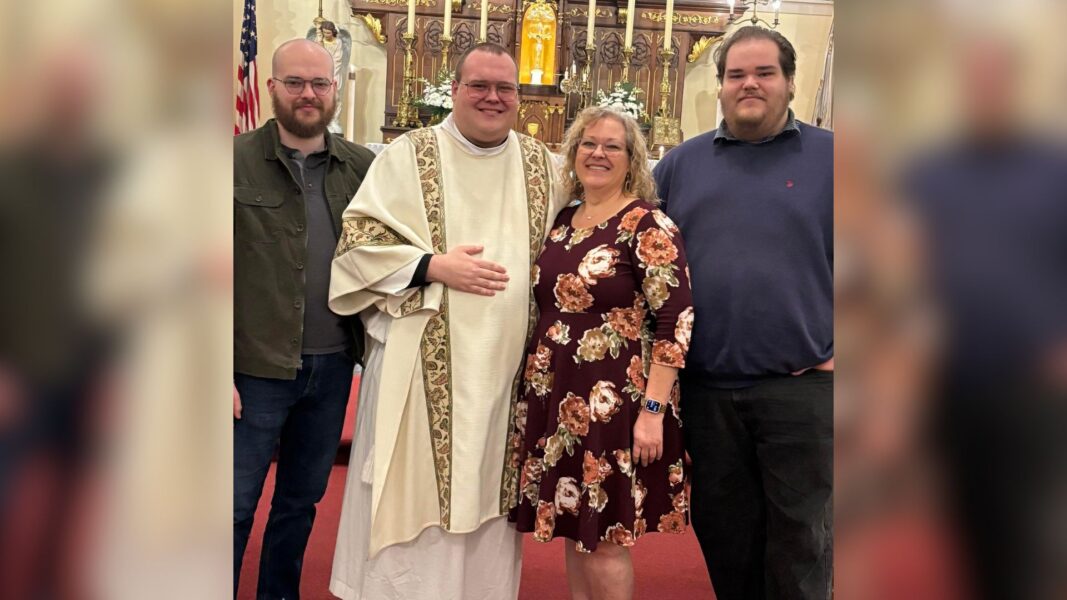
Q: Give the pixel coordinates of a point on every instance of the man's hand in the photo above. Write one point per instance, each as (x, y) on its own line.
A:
(648, 438)
(459, 270)
(236, 403)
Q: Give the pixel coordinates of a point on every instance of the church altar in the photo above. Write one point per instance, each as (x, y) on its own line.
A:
(561, 66)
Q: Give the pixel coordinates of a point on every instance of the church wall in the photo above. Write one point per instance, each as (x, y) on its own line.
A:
(281, 20)
(809, 35)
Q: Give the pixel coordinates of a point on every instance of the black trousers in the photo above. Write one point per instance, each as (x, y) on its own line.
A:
(762, 484)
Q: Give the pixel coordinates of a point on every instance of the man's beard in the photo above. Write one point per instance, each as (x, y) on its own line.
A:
(303, 129)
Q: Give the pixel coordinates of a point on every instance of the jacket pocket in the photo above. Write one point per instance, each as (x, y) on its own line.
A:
(258, 215)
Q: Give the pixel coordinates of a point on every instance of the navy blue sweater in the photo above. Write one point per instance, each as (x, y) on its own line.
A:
(757, 220)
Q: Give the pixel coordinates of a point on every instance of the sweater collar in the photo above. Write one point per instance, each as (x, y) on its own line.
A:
(723, 135)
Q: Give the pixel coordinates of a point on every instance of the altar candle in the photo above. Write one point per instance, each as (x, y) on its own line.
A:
(669, 24)
(411, 17)
(590, 23)
(350, 98)
(484, 25)
(629, 24)
(448, 17)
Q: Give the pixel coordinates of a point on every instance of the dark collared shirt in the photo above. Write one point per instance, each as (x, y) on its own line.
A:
(723, 135)
(324, 331)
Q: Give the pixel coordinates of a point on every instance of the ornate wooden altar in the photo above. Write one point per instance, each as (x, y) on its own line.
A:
(525, 27)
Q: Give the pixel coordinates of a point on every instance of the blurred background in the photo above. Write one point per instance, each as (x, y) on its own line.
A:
(115, 258)
(951, 299)
(115, 302)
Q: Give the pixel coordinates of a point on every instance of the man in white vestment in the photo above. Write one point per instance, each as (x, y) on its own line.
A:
(436, 255)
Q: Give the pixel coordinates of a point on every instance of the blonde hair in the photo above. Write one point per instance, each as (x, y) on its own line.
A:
(639, 180)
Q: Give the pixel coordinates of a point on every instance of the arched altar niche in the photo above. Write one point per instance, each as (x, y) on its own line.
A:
(537, 63)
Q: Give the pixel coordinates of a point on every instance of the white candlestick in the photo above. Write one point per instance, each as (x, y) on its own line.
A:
(448, 17)
(590, 23)
(629, 24)
(411, 17)
(484, 25)
(667, 27)
(350, 93)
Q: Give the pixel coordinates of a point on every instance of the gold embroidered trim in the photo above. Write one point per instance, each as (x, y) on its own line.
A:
(535, 164)
(366, 231)
(436, 354)
(412, 304)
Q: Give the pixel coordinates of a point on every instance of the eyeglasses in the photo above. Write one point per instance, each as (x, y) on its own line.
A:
(478, 90)
(589, 147)
(295, 85)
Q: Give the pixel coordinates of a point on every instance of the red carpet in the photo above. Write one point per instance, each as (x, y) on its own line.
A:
(666, 567)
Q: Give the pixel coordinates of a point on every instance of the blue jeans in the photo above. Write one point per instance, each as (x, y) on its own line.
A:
(303, 419)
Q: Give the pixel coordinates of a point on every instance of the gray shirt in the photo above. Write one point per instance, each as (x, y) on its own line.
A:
(324, 331)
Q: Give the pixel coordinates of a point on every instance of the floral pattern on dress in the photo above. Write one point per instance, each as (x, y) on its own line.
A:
(571, 293)
(683, 329)
(598, 263)
(567, 496)
(604, 402)
(628, 223)
(546, 521)
(613, 299)
(530, 478)
(635, 379)
(560, 333)
(594, 472)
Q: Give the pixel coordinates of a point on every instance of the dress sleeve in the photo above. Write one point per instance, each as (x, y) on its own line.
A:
(658, 256)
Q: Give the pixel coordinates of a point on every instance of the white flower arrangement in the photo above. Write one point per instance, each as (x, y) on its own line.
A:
(624, 98)
(436, 96)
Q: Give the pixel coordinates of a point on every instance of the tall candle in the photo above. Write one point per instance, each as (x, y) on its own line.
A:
(629, 24)
(590, 23)
(484, 25)
(667, 27)
(350, 93)
(448, 17)
(411, 17)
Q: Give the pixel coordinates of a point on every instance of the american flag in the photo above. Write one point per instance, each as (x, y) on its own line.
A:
(247, 77)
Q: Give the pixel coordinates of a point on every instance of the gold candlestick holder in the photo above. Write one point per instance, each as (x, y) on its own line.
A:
(627, 54)
(666, 128)
(446, 41)
(585, 97)
(407, 114)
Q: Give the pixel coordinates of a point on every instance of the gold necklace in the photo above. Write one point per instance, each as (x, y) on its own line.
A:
(589, 217)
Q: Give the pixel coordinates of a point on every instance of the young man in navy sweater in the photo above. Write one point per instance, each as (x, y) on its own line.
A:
(754, 200)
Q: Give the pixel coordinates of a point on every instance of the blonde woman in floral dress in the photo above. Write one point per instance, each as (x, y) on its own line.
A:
(597, 423)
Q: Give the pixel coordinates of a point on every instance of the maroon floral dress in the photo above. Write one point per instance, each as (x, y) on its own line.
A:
(612, 299)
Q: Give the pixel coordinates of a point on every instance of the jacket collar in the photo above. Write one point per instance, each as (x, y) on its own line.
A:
(272, 144)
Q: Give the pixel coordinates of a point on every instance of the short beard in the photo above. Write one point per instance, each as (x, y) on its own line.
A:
(287, 117)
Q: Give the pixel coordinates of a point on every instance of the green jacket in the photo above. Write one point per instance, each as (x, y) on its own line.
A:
(270, 246)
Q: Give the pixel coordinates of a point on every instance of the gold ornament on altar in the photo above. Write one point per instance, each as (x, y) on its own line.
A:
(537, 65)
(666, 128)
(755, 19)
(407, 114)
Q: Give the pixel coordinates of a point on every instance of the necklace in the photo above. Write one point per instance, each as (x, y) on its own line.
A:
(589, 213)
